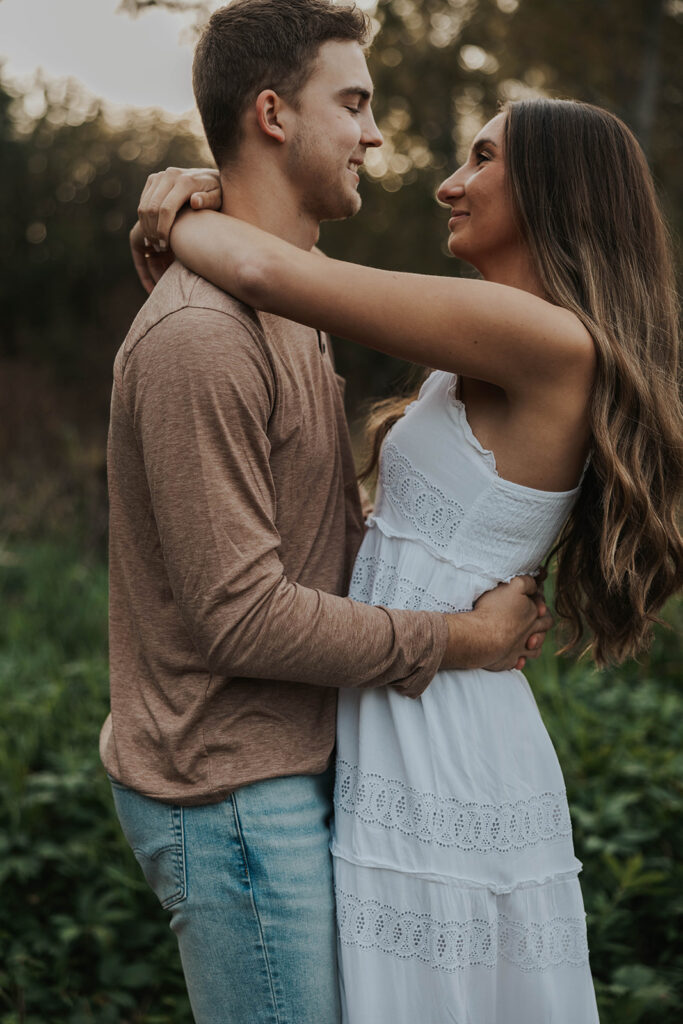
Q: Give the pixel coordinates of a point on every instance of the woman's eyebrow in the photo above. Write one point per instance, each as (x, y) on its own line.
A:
(480, 143)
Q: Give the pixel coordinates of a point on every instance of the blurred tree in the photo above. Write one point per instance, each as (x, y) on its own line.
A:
(72, 173)
(73, 170)
(442, 66)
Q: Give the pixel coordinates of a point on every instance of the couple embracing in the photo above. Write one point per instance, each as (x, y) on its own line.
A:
(252, 622)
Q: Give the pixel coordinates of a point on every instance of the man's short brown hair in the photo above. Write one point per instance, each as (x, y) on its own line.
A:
(252, 45)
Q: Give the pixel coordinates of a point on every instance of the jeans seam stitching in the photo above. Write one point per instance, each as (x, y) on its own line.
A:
(179, 829)
(180, 868)
(238, 826)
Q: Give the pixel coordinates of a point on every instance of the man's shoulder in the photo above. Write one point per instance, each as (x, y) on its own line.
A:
(181, 296)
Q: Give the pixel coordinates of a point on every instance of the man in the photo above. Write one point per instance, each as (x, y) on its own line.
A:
(235, 520)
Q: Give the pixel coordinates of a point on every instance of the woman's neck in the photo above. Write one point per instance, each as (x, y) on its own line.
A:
(514, 269)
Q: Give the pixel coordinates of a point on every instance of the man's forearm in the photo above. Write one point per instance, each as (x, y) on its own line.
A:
(467, 642)
(280, 630)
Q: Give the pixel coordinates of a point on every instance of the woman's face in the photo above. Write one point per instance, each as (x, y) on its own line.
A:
(482, 226)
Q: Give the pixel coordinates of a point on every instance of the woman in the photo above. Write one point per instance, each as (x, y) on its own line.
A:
(553, 409)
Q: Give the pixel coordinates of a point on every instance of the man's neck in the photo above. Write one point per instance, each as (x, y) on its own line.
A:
(264, 197)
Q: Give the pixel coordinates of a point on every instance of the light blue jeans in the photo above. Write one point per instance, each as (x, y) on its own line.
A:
(248, 884)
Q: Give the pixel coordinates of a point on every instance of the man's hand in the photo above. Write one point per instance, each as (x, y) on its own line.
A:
(534, 642)
(506, 627)
(165, 194)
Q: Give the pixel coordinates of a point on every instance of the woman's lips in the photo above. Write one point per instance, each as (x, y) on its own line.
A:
(456, 217)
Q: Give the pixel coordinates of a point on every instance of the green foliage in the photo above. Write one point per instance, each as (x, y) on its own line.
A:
(84, 942)
(619, 738)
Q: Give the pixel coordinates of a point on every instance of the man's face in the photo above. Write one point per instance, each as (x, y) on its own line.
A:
(332, 126)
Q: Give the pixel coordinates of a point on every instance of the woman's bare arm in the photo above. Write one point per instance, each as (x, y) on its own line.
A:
(488, 331)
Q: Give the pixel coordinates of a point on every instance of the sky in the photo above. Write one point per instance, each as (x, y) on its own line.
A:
(142, 62)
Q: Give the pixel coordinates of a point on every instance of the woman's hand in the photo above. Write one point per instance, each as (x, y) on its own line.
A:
(150, 265)
(165, 194)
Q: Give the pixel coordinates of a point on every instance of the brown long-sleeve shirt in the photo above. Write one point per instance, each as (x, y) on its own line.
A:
(234, 524)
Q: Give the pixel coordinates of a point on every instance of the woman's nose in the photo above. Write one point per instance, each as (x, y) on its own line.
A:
(450, 189)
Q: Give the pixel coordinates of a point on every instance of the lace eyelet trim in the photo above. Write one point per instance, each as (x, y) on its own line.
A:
(432, 513)
(454, 945)
(447, 822)
(376, 581)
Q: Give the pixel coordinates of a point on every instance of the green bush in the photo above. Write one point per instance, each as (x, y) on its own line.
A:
(82, 938)
(82, 941)
(619, 738)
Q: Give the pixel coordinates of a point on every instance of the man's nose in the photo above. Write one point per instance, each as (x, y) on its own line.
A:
(371, 136)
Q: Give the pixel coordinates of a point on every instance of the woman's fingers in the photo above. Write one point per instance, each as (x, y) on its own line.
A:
(208, 199)
(165, 194)
(149, 265)
(161, 185)
(147, 209)
(140, 261)
(170, 205)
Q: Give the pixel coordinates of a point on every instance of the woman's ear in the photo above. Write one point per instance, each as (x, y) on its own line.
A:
(268, 110)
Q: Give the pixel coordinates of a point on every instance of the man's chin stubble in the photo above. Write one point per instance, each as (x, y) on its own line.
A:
(341, 211)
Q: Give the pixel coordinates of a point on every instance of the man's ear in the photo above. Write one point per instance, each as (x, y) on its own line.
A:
(269, 108)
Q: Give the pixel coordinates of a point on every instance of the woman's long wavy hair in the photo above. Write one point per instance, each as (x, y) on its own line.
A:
(586, 205)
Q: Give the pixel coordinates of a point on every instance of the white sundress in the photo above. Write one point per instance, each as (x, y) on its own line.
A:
(455, 875)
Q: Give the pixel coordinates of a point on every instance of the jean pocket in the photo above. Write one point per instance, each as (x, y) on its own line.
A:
(155, 832)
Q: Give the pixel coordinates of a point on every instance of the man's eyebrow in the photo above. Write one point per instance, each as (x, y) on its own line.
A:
(355, 90)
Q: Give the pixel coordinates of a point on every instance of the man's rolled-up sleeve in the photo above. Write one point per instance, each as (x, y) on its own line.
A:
(199, 389)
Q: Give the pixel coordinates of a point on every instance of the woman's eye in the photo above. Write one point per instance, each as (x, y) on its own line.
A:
(482, 157)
